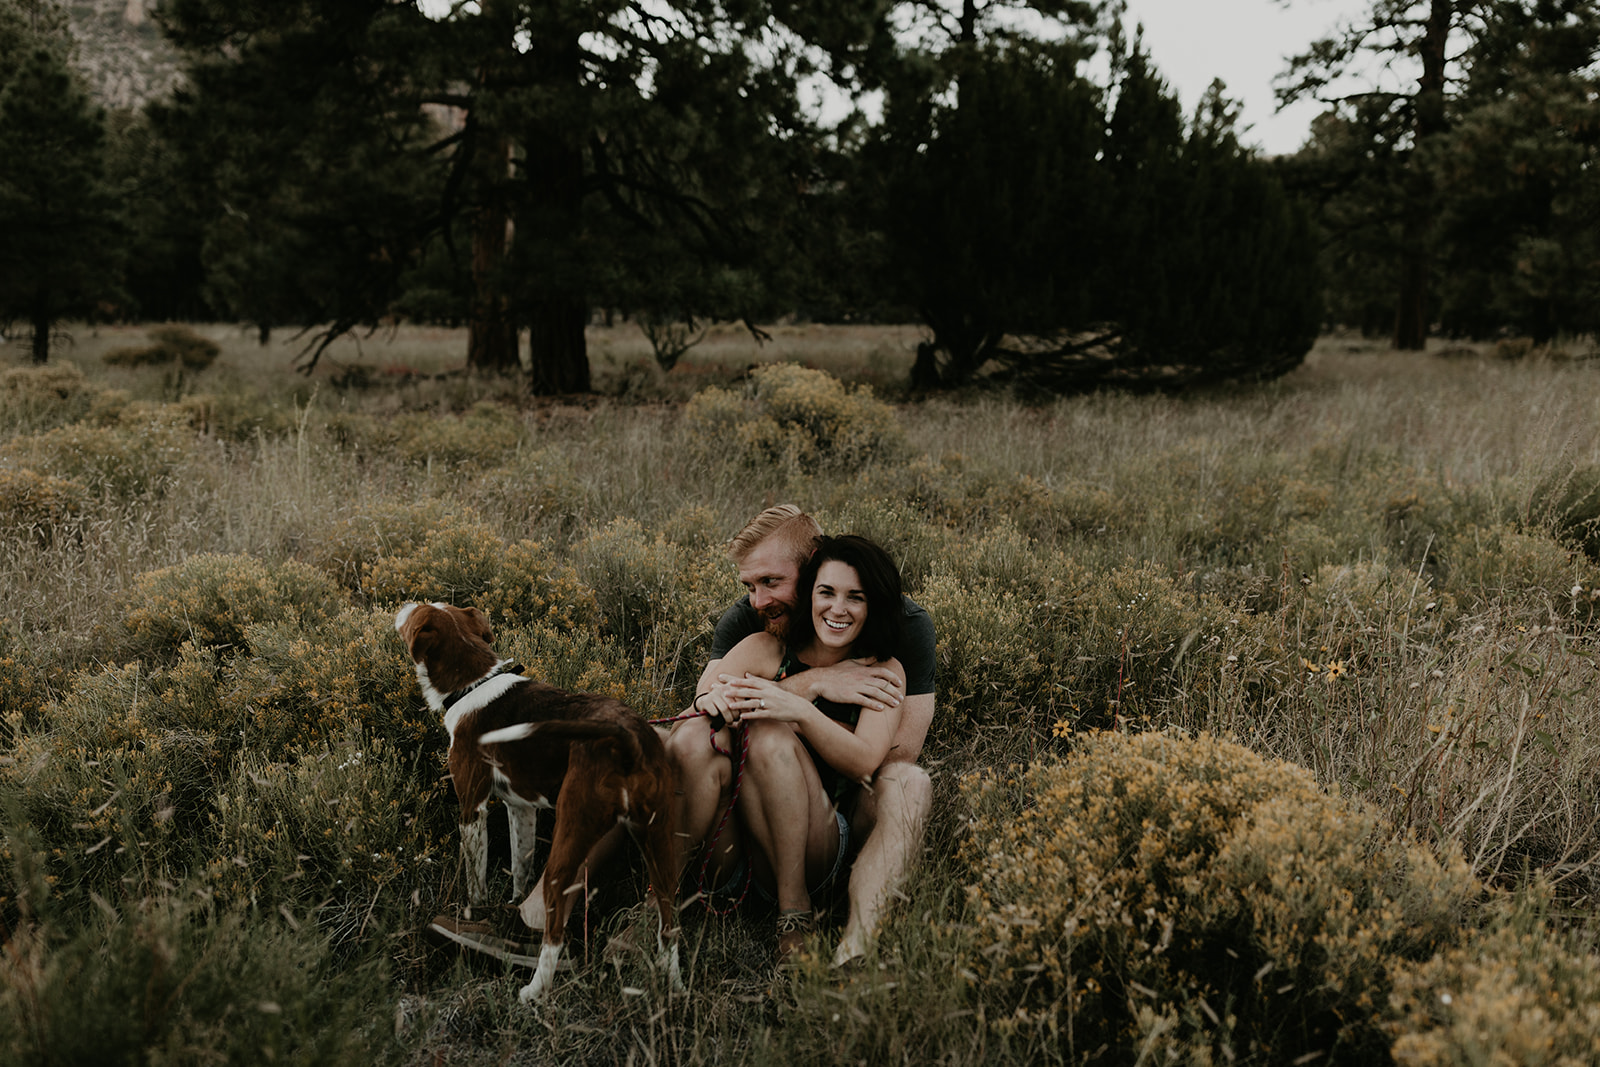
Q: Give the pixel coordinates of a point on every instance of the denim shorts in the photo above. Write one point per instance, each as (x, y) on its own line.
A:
(840, 858)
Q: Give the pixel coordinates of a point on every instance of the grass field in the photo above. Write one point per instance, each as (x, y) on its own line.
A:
(1266, 725)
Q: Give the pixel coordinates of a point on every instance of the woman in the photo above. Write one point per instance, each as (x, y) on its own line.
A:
(810, 758)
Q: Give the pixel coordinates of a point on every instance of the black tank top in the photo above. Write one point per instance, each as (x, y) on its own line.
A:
(838, 787)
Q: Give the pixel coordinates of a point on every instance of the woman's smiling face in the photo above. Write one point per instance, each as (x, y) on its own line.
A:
(838, 605)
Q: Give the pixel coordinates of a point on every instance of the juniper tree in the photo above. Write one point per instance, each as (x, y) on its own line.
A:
(1075, 247)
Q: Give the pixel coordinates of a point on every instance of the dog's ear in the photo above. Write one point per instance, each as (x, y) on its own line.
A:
(480, 625)
(417, 624)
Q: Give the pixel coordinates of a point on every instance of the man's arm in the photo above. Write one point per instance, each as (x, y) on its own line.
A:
(916, 715)
(920, 654)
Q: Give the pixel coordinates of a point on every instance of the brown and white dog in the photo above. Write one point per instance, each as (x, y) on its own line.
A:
(535, 746)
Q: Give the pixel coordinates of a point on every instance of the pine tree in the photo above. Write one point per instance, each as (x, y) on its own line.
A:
(59, 255)
(1519, 177)
(1459, 197)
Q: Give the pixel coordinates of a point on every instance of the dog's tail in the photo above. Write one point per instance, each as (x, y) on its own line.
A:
(570, 730)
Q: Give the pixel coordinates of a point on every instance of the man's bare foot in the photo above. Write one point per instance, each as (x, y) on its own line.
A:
(851, 948)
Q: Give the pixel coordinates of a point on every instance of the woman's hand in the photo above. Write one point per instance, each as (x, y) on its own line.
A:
(754, 698)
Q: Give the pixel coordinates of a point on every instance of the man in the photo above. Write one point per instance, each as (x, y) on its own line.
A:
(890, 814)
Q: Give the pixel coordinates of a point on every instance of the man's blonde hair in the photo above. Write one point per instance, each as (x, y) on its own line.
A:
(792, 528)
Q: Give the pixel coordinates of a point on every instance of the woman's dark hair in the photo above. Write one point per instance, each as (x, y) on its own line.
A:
(880, 581)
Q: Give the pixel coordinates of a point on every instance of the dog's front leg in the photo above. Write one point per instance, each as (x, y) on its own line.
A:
(475, 857)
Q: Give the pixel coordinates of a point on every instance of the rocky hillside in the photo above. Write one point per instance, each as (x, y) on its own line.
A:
(122, 52)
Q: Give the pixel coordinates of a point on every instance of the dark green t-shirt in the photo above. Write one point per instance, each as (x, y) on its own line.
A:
(916, 651)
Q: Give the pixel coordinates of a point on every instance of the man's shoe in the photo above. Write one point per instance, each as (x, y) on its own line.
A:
(793, 926)
(479, 936)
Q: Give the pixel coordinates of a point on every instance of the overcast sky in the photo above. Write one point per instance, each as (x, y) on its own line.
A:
(1246, 44)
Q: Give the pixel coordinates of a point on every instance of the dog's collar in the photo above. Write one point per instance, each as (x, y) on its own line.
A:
(503, 667)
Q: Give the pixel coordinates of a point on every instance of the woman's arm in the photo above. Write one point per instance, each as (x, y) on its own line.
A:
(854, 754)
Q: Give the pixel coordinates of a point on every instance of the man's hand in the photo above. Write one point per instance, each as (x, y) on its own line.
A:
(852, 682)
(715, 703)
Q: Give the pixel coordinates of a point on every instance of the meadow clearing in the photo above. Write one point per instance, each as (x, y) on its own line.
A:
(1266, 731)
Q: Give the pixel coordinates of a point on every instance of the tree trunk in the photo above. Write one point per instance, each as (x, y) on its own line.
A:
(41, 329)
(491, 333)
(925, 371)
(557, 310)
(559, 349)
(1411, 308)
(491, 330)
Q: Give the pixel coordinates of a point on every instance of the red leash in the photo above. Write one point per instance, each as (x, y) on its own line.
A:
(709, 848)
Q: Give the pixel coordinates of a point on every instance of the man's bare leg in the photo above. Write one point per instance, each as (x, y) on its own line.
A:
(892, 817)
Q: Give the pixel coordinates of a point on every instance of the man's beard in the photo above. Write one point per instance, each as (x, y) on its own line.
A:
(777, 625)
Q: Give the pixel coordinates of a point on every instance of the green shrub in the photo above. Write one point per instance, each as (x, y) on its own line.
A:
(1025, 629)
(986, 673)
(37, 398)
(1515, 992)
(535, 490)
(1189, 899)
(211, 598)
(1500, 564)
(467, 564)
(27, 684)
(125, 769)
(116, 780)
(694, 526)
(584, 662)
(385, 528)
(303, 688)
(479, 438)
(1568, 503)
(1380, 498)
(168, 345)
(956, 492)
(1343, 602)
(110, 406)
(135, 457)
(170, 978)
(655, 596)
(41, 507)
(232, 417)
(914, 543)
(336, 824)
(796, 418)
